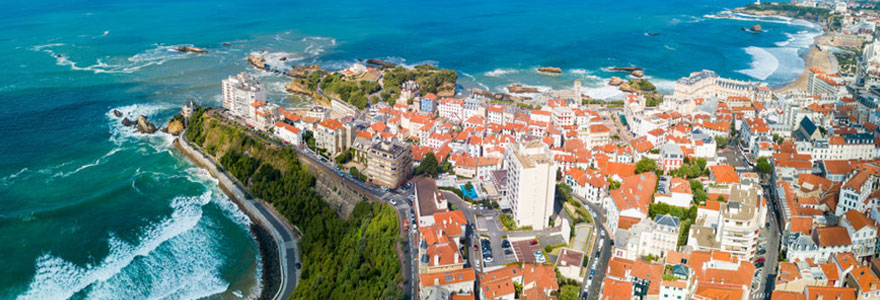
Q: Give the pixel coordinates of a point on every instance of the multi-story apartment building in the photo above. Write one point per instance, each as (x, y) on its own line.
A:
(330, 135)
(671, 157)
(738, 224)
(531, 181)
(855, 192)
(241, 90)
(820, 83)
(652, 237)
(847, 146)
(451, 109)
(262, 115)
(862, 232)
(389, 163)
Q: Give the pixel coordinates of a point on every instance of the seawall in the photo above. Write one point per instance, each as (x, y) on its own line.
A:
(268, 238)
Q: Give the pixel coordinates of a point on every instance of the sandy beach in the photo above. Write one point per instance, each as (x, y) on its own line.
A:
(815, 58)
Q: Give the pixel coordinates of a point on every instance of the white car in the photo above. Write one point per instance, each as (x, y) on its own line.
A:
(393, 202)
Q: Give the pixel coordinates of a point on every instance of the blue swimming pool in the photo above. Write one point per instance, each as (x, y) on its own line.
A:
(470, 193)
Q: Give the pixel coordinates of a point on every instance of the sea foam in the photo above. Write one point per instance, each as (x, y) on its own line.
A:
(57, 278)
(763, 63)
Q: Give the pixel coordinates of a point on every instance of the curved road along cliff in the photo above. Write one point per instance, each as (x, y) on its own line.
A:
(260, 213)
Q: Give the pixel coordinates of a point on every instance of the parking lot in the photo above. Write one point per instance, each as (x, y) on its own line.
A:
(524, 250)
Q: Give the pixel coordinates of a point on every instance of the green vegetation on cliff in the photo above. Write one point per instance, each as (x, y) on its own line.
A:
(342, 259)
(790, 10)
(429, 78)
(353, 92)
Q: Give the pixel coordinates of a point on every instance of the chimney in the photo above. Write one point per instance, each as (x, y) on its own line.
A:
(457, 258)
(820, 297)
(436, 260)
(436, 281)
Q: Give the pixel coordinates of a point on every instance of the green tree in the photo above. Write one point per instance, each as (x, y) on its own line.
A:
(429, 166)
(469, 186)
(764, 165)
(569, 292)
(720, 198)
(721, 142)
(645, 165)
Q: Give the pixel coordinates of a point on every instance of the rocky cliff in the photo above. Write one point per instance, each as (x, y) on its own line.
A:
(145, 126)
(174, 127)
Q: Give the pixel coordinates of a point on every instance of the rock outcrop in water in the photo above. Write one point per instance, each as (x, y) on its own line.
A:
(190, 49)
(550, 70)
(117, 113)
(144, 125)
(127, 122)
(517, 88)
(616, 81)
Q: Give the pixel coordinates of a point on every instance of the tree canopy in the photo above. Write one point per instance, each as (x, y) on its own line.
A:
(645, 165)
(429, 166)
(763, 165)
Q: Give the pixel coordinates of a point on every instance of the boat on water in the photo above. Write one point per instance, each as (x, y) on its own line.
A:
(652, 33)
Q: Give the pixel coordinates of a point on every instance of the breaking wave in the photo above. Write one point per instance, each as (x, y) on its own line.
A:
(187, 255)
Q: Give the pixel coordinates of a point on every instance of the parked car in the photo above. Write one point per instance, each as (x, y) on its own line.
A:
(759, 265)
(761, 251)
(760, 260)
(508, 252)
(533, 242)
(505, 244)
(393, 202)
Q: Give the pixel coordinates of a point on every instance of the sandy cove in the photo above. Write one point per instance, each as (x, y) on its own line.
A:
(815, 58)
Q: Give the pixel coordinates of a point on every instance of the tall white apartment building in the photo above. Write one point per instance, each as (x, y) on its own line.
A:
(240, 91)
(531, 178)
(736, 226)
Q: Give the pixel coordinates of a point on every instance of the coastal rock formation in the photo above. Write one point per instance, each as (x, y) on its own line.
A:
(626, 87)
(297, 86)
(175, 127)
(117, 113)
(447, 89)
(303, 71)
(616, 81)
(127, 122)
(517, 88)
(257, 61)
(499, 96)
(380, 63)
(189, 49)
(145, 126)
(550, 70)
(754, 29)
(625, 69)
(634, 71)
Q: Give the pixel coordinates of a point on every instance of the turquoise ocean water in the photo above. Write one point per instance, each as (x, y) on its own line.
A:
(89, 209)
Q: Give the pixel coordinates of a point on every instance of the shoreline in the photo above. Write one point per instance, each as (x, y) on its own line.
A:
(814, 58)
(267, 245)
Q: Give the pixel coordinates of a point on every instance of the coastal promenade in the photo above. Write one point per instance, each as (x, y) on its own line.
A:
(263, 215)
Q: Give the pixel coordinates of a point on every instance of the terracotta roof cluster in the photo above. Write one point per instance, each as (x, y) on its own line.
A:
(724, 174)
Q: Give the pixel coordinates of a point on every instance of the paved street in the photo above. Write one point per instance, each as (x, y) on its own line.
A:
(770, 236)
(591, 289)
